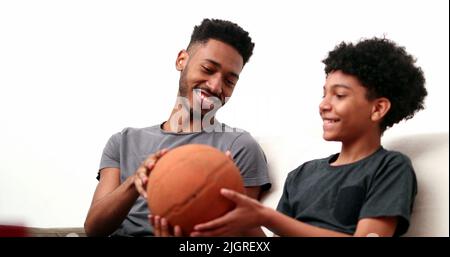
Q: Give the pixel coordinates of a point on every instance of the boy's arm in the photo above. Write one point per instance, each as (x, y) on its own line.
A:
(284, 225)
(255, 193)
(250, 214)
(382, 226)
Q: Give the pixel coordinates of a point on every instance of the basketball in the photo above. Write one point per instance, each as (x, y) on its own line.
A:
(184, 185)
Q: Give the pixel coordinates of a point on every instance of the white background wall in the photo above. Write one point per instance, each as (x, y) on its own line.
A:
(72, 73)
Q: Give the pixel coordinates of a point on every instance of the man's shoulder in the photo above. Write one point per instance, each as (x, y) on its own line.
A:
(133, 131)
(238, 135)
(229, 129)
(135, 134)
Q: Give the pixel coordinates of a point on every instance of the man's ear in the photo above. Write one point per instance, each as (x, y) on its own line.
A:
(181, 61)
(380, 108)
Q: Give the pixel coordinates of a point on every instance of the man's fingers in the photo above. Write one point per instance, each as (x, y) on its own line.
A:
(149, 167)
(228, 154)
(140, 188)
(209, 233)
(162, 152)
(164, 227)
(151, 220)
(142, 174)
(177, 231)
(149, 163)
(141, 182)
(157, 226)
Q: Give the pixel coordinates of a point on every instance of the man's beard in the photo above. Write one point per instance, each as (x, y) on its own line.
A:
(182, 84)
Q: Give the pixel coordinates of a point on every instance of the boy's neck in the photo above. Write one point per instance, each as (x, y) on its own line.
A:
(354, 151)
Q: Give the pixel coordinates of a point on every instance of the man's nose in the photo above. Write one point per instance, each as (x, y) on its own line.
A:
(214, 84)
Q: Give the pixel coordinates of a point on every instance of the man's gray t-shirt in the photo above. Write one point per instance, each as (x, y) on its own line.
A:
(128, 149)
(337, 197)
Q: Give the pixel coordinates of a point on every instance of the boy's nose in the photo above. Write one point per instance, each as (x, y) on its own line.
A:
(324, 105)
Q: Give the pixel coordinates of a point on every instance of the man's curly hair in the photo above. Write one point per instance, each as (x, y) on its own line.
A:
(385, 70)
(225, 31)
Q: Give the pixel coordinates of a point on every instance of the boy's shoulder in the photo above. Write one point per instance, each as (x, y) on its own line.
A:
(382, 156)
(396, 155)
(311, 165)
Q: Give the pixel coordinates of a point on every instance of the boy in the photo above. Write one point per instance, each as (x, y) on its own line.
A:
(365, 190)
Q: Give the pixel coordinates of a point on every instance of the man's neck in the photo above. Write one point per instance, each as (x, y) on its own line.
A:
(188, 124)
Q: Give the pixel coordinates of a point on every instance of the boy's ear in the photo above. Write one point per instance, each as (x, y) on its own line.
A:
(181, 61)
(380, 107)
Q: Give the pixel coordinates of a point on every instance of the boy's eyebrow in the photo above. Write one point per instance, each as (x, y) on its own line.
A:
(339, 85)
(220, 66)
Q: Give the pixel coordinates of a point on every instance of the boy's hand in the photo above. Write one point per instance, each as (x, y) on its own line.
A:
(245, 216)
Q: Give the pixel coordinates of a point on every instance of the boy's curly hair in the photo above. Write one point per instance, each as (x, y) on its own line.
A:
(225, 31)
(385, 70)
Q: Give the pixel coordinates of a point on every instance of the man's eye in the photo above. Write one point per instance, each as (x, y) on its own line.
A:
(230, 83)
(207, 70)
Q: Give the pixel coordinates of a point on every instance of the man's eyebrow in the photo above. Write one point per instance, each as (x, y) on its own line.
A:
(220, 66)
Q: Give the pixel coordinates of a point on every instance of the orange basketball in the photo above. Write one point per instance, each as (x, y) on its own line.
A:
(184, 186)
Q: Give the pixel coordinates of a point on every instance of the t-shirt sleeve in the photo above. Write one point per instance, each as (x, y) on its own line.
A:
(284, 206)
(392, 193)
(251, 160)
(111, 154)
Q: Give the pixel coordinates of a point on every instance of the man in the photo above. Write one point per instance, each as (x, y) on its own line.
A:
(209, 70)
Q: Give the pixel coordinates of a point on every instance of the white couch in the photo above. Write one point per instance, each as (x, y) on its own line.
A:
(428, 153)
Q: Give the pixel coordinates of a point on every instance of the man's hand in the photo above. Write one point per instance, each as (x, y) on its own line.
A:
(142, 173)
(162, 228)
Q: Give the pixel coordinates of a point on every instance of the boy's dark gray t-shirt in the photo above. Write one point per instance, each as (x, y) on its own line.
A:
(337, 197)
(128, 149)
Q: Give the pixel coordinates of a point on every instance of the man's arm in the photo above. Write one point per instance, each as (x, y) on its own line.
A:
(253, 192)
(112, 200)
(111, 203)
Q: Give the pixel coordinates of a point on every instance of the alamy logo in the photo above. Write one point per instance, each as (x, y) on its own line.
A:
(201, 112)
